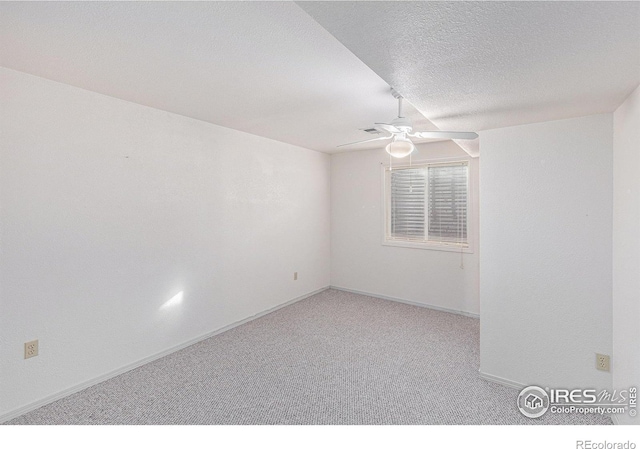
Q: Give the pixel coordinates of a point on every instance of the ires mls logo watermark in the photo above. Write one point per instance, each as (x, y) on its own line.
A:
(533, 401)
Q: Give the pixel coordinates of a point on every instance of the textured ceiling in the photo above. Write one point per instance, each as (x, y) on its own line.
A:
(264, 68)
(482, 65)
(270, 69)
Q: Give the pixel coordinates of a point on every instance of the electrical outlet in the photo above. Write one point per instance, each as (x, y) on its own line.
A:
(602, 362)
(295, 276)
(30, 349)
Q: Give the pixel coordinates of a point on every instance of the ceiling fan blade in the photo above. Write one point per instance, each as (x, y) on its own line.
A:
(364, 141)
(445, 135)
(387, 127)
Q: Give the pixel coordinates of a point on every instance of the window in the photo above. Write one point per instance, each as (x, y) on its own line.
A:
(427, 205)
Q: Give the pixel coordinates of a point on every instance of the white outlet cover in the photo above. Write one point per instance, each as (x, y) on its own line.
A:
(603, 362)
(30, 349)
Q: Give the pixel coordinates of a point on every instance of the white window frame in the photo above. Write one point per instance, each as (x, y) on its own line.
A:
(387, 240)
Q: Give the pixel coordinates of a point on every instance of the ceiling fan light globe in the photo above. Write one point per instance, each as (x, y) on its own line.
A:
(400, 148)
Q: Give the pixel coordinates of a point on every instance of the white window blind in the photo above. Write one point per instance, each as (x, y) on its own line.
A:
(428, 203)
(448, 203)
(408, 194)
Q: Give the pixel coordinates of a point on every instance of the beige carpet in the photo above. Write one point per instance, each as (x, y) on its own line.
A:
(333, 358)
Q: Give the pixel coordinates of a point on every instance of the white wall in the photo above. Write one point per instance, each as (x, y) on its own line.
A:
(626, 247)
(109, 209)
(360, 262)
(546, 252)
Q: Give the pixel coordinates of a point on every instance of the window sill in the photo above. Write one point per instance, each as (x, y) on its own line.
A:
(435, 246)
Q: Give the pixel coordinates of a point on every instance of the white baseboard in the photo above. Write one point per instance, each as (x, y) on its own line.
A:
(502, 381)
(406, 301)
(89, 383)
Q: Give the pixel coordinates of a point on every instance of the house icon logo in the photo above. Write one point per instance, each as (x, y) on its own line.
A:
(533, 402)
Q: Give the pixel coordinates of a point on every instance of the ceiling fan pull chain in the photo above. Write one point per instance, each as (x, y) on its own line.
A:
(410, 175)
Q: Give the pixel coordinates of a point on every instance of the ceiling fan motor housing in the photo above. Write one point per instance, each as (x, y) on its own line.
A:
(403, 124)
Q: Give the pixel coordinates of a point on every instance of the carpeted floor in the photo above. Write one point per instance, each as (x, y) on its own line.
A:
(333, 358)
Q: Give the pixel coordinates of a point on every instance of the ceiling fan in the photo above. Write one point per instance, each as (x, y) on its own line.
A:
(400, 129)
